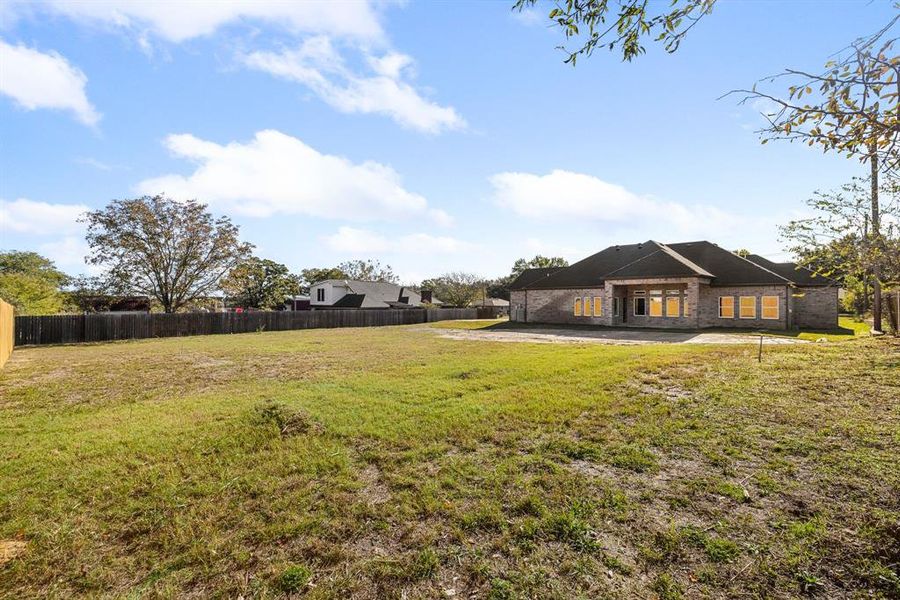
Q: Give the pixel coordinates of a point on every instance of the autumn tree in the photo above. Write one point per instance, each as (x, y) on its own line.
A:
(622, 25)
(260, 283)
(31, 283)
(175, 252)
(851, 107)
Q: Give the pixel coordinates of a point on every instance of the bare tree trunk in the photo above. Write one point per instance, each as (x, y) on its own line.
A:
(876, 242)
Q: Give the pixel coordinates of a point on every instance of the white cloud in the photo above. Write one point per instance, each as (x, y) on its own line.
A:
(275, 173)
(576, 197)
(37, 80)
(68, 252)
(386, 90)
(40, 218)
(352, 241)
(178, 22)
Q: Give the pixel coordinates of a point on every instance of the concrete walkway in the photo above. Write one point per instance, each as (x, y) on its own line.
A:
(552, 335)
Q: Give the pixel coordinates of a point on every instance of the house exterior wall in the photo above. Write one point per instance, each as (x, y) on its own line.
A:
(817, 308)
(557, 306)
(333, 293)
(709, 306)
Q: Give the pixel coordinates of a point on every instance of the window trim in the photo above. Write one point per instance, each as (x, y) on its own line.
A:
(722, 316)
(741, 307)
(577, 307)
(634, 304)
(777, 307)
(677, 299)
(596, 304)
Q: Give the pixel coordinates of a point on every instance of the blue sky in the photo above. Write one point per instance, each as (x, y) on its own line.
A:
(432, 136)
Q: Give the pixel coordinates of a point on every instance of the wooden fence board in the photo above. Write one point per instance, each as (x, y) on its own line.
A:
(7, 331)
(102, 327)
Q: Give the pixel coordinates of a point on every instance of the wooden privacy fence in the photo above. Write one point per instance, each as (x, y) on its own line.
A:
(7, 325)
(102, 327)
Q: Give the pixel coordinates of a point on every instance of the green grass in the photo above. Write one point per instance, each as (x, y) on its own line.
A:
(391, 462)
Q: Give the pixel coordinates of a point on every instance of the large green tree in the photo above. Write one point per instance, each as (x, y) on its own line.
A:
(260, 283)
(31, 283)
(538, 262)
(175, 252)
(454, 289)
(837, 241)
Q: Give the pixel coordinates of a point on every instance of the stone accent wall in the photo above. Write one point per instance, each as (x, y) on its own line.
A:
(709, 306)
(817, 308)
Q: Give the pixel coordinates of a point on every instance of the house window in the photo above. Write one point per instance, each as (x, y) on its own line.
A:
(615, 306)
(748, 307)
(320, 295)
(726, 307)
(577, 307)
(656, 303)
(598, 306)
(770, 307)
(673, 292)
(640, 307)
(673, 307)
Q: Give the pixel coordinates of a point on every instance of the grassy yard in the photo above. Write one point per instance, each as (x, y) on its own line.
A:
(390, 462)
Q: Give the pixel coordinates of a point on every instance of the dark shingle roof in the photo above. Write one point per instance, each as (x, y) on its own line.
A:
(589, 272)
(652, 259)
(350, 301)
(727, 267)
(789, 270)
(661, 263)
(530, 276)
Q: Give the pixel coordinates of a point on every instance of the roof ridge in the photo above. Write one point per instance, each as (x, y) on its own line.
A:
(637, 260)
(688, 263)
(756, 265)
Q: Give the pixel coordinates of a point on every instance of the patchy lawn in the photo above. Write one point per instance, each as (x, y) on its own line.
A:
(391, 462)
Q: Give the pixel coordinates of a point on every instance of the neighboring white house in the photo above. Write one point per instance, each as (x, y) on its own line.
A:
(348, 293)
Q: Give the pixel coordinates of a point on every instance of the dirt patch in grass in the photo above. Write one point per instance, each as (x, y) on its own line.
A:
(10, 549)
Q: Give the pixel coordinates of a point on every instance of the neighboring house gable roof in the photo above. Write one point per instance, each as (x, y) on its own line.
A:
(374, 294)
(799, 275)
(530, 276)
(350, 301)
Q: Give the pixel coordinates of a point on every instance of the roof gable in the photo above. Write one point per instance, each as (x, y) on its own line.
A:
(727, 267)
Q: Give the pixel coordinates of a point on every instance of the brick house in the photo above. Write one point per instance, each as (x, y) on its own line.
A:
(690, 285)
